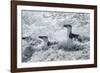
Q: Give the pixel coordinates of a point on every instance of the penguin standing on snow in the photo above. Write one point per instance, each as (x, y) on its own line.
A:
(65, 37)
(47, 43)
(72, 35)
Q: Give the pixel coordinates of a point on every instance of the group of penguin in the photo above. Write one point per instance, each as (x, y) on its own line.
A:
(64, 39)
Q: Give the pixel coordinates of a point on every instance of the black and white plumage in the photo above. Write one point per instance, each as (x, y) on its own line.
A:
(46, 41)
(65, 37)
(72, 35)
(62, 38)
(75, 36)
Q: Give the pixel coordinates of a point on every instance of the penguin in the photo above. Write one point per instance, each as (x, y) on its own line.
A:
(47, 43)
(72, 35)
(65, 37)
(62, 37)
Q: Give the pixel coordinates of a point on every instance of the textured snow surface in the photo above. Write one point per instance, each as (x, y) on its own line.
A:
(42, 23)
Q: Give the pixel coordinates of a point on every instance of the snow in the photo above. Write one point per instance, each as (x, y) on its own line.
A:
(42, 23)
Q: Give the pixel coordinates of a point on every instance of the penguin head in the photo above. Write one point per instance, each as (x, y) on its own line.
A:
(69, 28)
(44, 38)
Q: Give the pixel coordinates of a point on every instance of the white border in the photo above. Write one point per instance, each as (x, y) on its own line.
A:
(58, 63)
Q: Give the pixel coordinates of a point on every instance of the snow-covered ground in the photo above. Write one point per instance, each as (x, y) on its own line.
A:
(40, 23)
